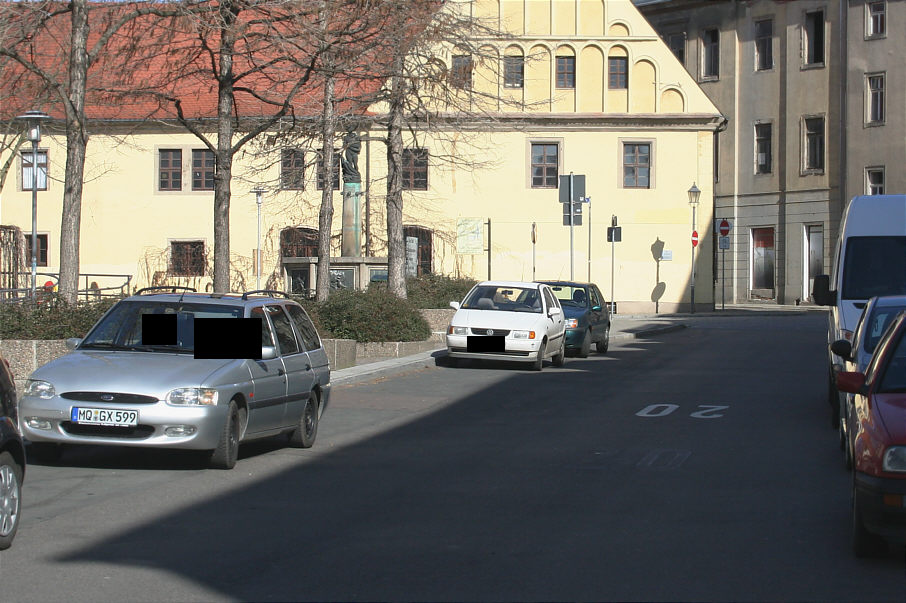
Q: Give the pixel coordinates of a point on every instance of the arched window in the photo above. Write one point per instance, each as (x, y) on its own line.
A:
(420, 238)
(299, 242)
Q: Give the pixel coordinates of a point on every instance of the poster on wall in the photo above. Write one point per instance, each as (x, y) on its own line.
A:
(470, 235)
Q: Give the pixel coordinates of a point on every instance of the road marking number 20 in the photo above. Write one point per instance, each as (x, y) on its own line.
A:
(662, 410)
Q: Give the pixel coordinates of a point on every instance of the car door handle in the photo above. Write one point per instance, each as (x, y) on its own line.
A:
(307, 367)
(280, 372)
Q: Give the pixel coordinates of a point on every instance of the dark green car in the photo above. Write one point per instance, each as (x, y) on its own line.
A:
(587, 316)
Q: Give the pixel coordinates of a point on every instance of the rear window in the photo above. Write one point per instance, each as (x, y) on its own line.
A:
(874, 266)
(877, 323)
(576, 297)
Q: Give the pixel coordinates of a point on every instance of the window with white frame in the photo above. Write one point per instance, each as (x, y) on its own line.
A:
(763, 148)
(813, 38)
(814, 144)
(874, 180)
(513, 71)
(27, 157)
(875, 91)
(876, 19)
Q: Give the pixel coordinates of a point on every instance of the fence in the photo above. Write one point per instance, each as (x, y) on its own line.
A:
(97, 286)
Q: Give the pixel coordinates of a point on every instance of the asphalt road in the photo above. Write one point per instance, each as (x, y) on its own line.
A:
(697, 465)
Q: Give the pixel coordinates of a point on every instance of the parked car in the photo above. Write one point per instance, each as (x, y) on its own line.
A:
(12, 459)
(587, 316)
(877, 315)
(126, 384)
(878, 443)
(508, 320)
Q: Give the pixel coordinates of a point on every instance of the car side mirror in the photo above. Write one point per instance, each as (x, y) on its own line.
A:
(554, 311)
(596, 308)
(842, 348)
(851, 382)
(454, 305)
(268, 352)
(821, 292)
(72, 343)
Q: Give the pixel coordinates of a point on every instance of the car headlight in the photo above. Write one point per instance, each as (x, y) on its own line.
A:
(192, 396)
(523, 334)
(39, 389)
(458, 330)
(572, 323)
(895, 459)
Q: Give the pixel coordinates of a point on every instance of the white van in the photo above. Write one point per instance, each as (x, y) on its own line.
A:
(869, 260)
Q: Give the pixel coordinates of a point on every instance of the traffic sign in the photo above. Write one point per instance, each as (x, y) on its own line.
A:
(724, 227)
(694, 238)
(723, 242)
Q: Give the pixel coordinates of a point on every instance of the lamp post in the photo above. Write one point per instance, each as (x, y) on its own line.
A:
(694, 193)
(258, 190)
(33, 121)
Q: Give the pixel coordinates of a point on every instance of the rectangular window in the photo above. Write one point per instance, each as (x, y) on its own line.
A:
(169, 167)
(202, 170)
(876, 99)
(762, 148)
(877, 19)
(814, 143)
(292, 169)
(513, 72)
(636, 165)
(187, 258)
(27, 173)
(763, 258)
(764, 45)
(677, 43)
(566, 72)
(545, 165)
(415, 169)
(874, 181)
(41, 256)
(461, 74)
(711, 53)
(336, 170)
(814, 38)
(617, 71)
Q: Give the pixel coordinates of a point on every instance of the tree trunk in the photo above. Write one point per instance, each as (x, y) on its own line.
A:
(396, 249)
(325, 216)
(76, 143)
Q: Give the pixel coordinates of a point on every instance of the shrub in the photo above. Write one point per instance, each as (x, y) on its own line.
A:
(52, 318)
(436, 290)
(372, 315)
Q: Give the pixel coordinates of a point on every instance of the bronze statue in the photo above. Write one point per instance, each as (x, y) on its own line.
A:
(350, 163)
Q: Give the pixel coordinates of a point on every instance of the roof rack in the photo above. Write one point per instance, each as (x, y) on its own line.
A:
(170, 288)
(245, 295)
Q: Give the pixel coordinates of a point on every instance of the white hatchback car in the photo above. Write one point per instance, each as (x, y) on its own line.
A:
(508, 320)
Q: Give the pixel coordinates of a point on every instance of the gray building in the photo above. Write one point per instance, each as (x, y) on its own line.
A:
(787, 160)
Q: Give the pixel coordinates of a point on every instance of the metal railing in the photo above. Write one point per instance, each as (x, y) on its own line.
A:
(91, 292)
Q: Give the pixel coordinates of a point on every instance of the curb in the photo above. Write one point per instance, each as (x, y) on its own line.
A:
(645, 333)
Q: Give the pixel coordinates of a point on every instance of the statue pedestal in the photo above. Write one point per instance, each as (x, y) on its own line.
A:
(351, 243)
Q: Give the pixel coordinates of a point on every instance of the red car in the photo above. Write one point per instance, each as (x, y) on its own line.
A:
(878, 439)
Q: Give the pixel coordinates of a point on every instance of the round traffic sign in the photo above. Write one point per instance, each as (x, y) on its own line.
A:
(694, 238)
(724, 227)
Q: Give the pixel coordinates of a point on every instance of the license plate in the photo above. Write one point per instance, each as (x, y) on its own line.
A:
(486, 344)
(111, 417)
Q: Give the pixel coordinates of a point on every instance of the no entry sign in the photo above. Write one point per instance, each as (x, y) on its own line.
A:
(724, 227)
(694, 238)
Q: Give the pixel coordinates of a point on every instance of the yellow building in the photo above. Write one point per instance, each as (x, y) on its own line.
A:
(603, 97)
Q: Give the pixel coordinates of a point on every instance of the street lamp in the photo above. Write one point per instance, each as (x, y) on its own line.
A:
(33, 121)
(694, 193)
(258, 190)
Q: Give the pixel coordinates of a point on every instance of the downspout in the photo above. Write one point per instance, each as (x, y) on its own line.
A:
(735, 251)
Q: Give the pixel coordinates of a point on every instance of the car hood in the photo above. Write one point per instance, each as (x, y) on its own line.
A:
(496, 319)
(152, 374)
(892, 410)
(574, 312)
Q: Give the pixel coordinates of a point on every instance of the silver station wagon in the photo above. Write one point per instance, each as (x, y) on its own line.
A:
(183, 370)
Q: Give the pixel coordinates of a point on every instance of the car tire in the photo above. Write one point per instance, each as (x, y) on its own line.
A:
(303, 436)
(227, 451)
(44, 452)
(539, 361)
(602, 346)
(10, 498)
(559, 359)
(586, 345)
(865, 544)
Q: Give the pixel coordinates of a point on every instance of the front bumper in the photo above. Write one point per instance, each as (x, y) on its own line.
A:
(574, 338)
(882, 501)
(153, 420)
(515, 350)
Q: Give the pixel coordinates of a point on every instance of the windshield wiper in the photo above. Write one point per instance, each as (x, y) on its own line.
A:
(162, 348)
(106, 346)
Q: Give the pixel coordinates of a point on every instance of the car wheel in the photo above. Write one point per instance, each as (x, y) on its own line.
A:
(227, 451)
(10, 498)
(602, 345)
(586, 345)
(865, 544)
(303, 436)
(560, 358)
(44, 452)
(539, 361)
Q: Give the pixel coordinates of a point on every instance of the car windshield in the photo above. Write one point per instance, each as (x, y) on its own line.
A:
(505, 298)
(874, 266)
(877, 324)
(121, 328)
(576, 297)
